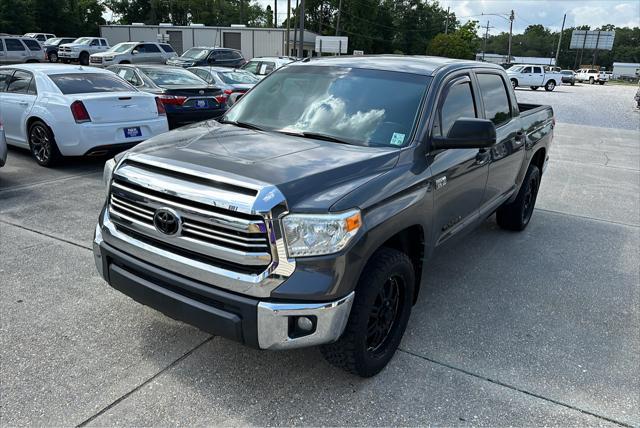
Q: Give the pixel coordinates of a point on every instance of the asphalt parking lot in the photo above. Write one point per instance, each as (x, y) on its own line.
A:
(538, 328)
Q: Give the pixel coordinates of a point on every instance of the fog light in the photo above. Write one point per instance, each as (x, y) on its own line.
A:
(305, 324)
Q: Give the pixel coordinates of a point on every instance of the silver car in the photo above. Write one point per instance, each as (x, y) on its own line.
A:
(19, 49)
(3, 146)
(134, 53)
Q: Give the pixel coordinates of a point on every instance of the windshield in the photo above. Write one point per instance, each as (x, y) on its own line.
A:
(515, 68)
(196, 53)
(172, 76)
(53, 42)
(121, 47)
(83, 41)
(357, 106)
(237, 76)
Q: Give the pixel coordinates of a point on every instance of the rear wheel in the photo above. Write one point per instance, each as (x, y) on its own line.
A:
(65, 61)
(53, 57)
(517, 214)
(550, 86)
(42, 144)
(591, 80)
(379, 315)
(84, 58)
(514, 83)
(602, 82)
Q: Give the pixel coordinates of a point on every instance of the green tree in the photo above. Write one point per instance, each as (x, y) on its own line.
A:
(461, 43)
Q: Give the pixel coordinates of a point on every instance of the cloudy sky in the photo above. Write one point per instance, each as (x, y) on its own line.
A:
(623, 13)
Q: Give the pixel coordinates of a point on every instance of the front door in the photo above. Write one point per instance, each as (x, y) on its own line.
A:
(459, 175)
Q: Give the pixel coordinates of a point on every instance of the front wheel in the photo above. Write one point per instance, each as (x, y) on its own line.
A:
(517, 214)
(42, 144)
(601, 82)
(514, 83)
(84, 58)
(591, 80)
(550, 86)
(53, 57)
(379, 315)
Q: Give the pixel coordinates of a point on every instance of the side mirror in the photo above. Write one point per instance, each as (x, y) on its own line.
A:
(135, 52)
(233, 98)
(467, 134)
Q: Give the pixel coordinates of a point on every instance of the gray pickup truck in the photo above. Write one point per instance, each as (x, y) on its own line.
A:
(307, 213)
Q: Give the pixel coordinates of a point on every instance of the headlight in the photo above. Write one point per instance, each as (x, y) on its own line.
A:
(320, 234)
(109, 166)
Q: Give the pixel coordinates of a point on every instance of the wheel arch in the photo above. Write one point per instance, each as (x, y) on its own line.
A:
(538, 158)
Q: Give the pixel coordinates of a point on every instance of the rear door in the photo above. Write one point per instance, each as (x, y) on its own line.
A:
(537, 78)
(507, 155)
(460, 175)
(16, 52)
(3, 53)
(17, 100)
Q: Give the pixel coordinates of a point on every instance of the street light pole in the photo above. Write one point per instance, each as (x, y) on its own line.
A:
(301, 41)
(511, 17)
(560, 39)
(288, 26)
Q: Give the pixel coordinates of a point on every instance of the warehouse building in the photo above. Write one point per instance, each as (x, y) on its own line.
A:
(252, 42)
(626, 69)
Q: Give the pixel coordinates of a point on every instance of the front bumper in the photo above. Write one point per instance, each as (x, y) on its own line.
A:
(255, 323)
(68, 55)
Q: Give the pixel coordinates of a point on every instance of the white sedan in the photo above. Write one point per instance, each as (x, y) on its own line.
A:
(67, 110)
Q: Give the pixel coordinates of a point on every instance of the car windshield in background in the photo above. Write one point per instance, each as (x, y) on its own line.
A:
(356, 106)
(86, 83)
(566, 72)
(121, 47)
(172, 76)
(53, 42)
(515, 68)
(82, 41)
(195, 53)
(235, 77)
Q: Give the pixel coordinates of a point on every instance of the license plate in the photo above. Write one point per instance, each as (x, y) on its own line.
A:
(201, 103)
(132, 132)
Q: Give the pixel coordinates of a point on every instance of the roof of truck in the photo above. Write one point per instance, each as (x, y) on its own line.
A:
(425, 65)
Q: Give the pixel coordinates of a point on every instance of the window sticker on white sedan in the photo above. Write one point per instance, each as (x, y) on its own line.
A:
(397, 139)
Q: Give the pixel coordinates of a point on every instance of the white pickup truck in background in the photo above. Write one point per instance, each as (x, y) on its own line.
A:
(590, 75)
(533, 76)
(81, 49)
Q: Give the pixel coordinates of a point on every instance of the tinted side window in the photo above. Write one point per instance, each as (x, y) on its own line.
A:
(95, 43)
(20, 82)
(32, 45)
(151, 48)
(537, 70)
(266, 67)
(459, 103)
(128, 75)
(14, 45)
(526, 70)
(167, 48)
(5, 76)
(218, 55)
(236, 55)
(251, 66)
(103, 42)
(495, 98)
(1, 45)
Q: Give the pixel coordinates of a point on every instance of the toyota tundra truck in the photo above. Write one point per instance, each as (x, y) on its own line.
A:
(308, 213)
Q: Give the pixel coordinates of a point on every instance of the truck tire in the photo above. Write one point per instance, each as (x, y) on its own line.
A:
(53, 57)
(514, 83)
(517, 214)
(550, 86)
(65, 61)
(534, 88)
(379, 315)
(84, 58)
(591, 80)
(602, 82)
(42, 144)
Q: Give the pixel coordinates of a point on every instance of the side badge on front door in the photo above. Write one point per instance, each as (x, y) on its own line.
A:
(441, 182)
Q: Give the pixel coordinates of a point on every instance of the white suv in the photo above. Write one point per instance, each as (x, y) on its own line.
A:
(262, 66)
(134, 53)
(17, 49)
(81, 49)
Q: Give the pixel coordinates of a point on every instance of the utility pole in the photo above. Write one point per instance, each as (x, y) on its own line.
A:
(301, 41)
(288, 26)
(511, 18)
(295, 27)
(275, 13)
(446, 25)
(486, 36)
(560, 39)
(338, 23)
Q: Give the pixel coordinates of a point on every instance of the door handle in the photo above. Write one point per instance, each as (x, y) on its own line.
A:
(23, 103)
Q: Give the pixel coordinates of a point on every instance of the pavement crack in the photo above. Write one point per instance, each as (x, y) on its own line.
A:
(515, 388)
(143, 384)
(57, 238)
(45, 182)
(619, 223)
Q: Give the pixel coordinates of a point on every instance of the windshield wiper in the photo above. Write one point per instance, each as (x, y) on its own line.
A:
(246, 125)
(316, 136)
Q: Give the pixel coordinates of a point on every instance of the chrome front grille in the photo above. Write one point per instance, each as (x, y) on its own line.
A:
(223, 237)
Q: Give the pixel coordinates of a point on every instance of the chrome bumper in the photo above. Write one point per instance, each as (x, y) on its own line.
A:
(275, 320)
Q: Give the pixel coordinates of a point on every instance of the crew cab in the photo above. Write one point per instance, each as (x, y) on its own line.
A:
(81, 49)
(590, 75)
(306, 215)
(67, 110)
(534, 76)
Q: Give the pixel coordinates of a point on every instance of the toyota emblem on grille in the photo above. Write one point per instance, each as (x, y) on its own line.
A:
(166, 221)
(201, 92)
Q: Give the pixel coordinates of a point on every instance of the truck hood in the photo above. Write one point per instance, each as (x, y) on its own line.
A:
(73, 45)
(312, 174)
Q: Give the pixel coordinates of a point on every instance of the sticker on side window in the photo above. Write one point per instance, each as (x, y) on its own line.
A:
(397, 139)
